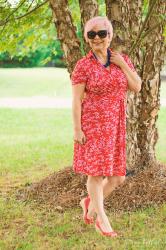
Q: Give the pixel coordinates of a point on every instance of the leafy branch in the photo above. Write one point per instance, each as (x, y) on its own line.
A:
(34, 9)
(30, 5)
(4, 23)
(15, 10)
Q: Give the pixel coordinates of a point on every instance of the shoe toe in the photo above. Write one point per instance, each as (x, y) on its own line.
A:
(113, 234)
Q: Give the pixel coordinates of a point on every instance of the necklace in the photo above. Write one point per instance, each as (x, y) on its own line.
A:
(108, 58)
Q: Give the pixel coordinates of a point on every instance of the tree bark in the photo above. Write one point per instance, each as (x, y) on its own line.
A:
(142, 108)
(66, 32)
(153, 59)
(120, 12)
(88, 9)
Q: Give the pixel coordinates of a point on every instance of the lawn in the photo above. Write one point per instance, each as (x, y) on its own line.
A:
(37, 142)
(26, 82)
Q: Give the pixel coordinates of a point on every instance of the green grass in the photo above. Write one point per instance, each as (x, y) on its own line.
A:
(34, 137)
(161, 144)
(37, 142)
(31, 228)
(26, 82)
(163, 89)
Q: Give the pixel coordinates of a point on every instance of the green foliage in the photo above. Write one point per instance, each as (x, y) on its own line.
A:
(102, 9)
(31, 39)
(42, 56)
(22, 36)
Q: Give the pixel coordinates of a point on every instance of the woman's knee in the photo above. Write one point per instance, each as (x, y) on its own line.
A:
(98, 179)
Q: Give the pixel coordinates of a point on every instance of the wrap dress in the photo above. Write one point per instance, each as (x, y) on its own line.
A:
(103, 117)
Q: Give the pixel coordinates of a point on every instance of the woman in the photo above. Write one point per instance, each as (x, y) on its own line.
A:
(104, 75)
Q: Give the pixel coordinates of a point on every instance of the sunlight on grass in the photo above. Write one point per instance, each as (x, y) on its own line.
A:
(161, 144)
(163, 89)
(35, 82)
(34, 137)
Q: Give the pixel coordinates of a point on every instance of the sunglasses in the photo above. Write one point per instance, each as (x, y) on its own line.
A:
(101, 33)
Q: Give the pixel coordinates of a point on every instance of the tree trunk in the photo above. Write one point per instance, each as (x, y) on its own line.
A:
(88, 9)
(142, 108)
(153, 59)
(66, 32)
(121, 13)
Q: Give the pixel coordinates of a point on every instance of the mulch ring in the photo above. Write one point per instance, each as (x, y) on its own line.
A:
(64, 189)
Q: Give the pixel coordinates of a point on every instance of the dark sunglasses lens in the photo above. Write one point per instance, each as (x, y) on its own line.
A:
(102, 33)
(91, 34)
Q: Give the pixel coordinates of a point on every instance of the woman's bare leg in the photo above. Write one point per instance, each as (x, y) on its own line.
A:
(95, 191)
(109, 184)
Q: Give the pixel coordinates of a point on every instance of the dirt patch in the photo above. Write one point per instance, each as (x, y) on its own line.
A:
(64, 189)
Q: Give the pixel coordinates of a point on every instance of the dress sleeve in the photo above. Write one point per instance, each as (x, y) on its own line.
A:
(129, 62)
(79, 73)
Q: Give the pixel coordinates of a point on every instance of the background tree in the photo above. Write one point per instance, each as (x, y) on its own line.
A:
(140, 30)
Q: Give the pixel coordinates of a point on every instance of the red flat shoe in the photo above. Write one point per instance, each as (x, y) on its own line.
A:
(98, 228)
(84, 204)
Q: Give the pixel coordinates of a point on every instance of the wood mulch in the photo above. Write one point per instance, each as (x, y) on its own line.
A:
(64, 189)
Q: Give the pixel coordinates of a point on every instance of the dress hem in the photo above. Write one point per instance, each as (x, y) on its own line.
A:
(86, 173)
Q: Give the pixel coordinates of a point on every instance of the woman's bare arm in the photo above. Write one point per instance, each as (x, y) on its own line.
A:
(134, 81)
(77, 96)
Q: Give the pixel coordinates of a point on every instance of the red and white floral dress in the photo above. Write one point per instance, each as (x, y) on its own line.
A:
(103, 118)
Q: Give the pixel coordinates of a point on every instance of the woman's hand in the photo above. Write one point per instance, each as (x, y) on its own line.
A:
(134, 80)
(79, 137)
(117, 59)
